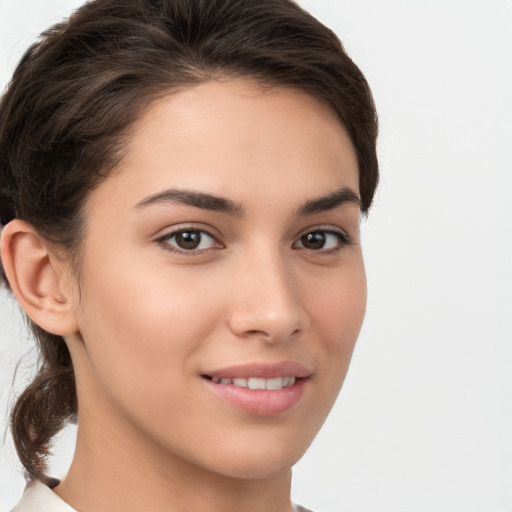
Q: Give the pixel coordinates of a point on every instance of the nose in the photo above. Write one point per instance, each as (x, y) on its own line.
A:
(266, 301)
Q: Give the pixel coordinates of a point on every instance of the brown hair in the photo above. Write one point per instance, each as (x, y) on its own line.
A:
(78, 90)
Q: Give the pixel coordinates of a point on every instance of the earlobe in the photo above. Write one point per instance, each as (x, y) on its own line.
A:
(35, 277)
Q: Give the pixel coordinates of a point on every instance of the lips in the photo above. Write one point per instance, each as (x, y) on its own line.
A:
(261, 370)
(260, 389)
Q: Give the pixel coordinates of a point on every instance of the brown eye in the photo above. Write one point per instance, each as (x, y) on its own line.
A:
(314, 240)
(189, 240)
(322, 240)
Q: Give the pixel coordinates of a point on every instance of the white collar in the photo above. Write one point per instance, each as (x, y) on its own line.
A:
(38, 497)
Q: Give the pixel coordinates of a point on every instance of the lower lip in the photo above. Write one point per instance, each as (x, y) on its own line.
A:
(260, 402)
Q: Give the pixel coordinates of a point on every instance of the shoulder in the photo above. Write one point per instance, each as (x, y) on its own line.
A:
(38, 497)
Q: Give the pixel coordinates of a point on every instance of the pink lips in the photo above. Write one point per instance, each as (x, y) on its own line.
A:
(260, 402)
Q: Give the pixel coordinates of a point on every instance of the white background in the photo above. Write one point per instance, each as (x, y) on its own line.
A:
(424, 422)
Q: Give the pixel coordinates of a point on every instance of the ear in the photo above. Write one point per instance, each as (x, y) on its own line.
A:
(36, 278)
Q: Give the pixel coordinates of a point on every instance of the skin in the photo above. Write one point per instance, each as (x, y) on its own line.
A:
(145, 323)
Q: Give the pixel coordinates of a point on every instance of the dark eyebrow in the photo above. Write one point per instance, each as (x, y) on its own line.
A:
(219, 204)
(329, 202)
(197, 199)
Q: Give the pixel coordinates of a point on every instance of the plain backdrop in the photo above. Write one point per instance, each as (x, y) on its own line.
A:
(424, 422)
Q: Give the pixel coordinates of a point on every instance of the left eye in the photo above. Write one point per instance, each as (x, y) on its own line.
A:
(189, 240)
(322, 240)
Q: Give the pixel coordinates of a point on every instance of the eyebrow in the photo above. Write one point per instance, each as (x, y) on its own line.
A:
(197, 199)
(206, 201)
(329, 202)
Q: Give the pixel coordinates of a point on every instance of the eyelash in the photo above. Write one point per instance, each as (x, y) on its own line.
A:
(343, 240)
(164, 241)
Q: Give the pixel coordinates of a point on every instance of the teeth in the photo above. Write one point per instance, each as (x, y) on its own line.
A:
(258, 383)
(276, 383)
(254, 383)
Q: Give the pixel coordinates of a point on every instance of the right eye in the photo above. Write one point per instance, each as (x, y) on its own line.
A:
(189, 240)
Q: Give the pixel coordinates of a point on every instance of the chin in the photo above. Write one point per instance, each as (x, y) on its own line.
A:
(257, 469)
(261, 459)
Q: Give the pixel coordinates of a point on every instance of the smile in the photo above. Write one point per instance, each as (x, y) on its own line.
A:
(260, 389)
(257, 382)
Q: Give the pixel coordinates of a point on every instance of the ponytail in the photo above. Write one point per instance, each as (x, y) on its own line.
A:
(45, 406)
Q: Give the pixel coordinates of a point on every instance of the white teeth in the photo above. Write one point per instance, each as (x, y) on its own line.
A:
(257, 382)
(276, 383)
(288, 381)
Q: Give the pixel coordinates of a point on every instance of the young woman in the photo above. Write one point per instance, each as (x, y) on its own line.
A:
(181, 188)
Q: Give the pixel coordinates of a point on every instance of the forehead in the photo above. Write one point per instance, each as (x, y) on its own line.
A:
(238, 140)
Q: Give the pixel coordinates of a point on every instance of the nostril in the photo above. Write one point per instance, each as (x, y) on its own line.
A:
(266, 319)
(255, 331)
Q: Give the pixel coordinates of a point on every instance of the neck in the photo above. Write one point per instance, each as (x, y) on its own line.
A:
(119, 465)
(105, 476)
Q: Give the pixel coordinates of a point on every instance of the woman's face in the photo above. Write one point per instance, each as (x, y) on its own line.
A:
(224, 253)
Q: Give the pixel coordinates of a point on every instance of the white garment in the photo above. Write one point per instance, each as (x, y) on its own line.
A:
(37, 497)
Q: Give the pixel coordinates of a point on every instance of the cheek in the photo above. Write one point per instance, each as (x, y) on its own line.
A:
(341, 306)
(142, 328)
(338, 314)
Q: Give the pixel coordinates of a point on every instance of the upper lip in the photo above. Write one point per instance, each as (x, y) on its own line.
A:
(261, 370)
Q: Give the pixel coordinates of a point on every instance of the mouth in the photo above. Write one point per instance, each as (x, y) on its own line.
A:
(260, 389)
(254, 383)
